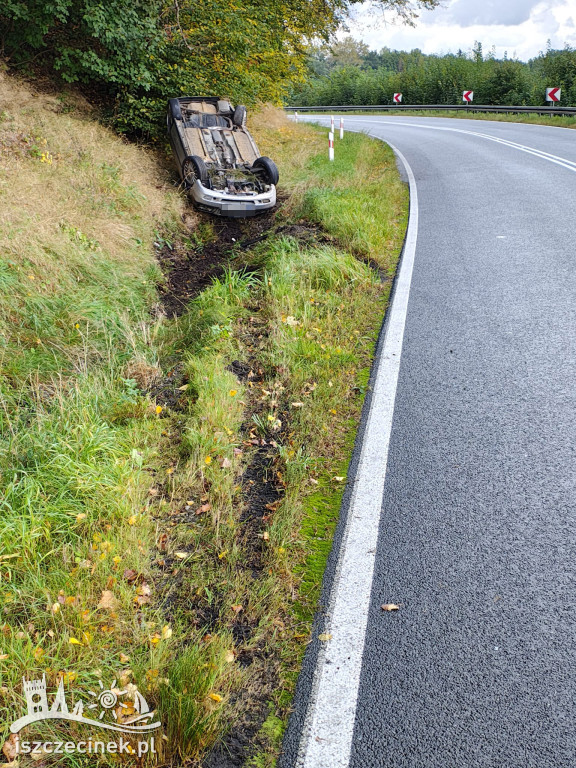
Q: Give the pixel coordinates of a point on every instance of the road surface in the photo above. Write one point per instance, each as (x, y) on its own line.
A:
(462, 499)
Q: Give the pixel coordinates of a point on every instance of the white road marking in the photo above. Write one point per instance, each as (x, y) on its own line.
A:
(563, 161)
(329, 725)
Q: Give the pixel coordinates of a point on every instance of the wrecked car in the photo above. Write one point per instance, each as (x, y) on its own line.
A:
(217, 158)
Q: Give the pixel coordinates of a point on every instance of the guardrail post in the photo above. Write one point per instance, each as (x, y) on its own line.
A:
(331, 146)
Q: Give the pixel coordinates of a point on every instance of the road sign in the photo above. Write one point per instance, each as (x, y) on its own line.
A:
(552, 94)
(397, 98)
(467, 96)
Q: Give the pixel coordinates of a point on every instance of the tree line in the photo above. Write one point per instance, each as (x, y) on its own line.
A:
(135, 54)
(349, 73)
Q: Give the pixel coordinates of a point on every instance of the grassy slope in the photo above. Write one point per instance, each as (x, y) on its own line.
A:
(95, 479)
(78, 211)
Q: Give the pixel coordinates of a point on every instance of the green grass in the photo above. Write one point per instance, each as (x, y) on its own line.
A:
(124, 552)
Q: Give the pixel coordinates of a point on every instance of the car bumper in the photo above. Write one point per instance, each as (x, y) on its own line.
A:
(231, 205)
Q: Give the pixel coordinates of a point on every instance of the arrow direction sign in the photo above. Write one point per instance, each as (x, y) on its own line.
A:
(397, 98)
(552, 94)
(467, 96)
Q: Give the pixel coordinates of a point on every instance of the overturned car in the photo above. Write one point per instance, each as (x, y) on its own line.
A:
(217, 158)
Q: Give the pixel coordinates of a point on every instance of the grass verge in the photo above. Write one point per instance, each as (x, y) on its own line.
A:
(170, 486)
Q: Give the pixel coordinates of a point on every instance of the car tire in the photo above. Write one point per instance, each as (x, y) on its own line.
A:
(267, 169)
(194, 168)
(175, 109)
(239, 116)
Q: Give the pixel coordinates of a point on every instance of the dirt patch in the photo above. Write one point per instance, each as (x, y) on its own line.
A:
(189, 269)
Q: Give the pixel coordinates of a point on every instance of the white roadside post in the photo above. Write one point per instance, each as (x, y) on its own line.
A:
(332, 123)
(331, 145)
(295, 116)
(341, 127)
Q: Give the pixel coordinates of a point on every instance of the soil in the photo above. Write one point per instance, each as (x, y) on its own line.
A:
(189, 269)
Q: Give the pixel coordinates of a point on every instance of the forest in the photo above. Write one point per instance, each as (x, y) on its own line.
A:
(348, 72)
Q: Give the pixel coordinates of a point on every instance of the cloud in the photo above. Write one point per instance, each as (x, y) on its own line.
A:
(467, 13)
(519, 27)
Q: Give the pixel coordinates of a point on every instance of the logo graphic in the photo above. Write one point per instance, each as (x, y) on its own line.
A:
(103, 702)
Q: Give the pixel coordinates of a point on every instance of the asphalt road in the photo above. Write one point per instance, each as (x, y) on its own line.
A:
(477, 526)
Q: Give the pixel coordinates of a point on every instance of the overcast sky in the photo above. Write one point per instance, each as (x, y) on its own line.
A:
(520, 27)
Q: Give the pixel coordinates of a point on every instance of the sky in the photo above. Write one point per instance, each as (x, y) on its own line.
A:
(520, 27)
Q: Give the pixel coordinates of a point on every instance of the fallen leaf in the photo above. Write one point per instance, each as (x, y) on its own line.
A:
(233, 392)
(166, 632)
(339, 479)
(297, 405)
(107, 601)
(38, 653)
(215, 697)
(130, 574)
(74, 641)
(11, 747)
(181, 555)
(266, 536)
(124, 659)
(236, 608)
(324, 637)
(229, 657)
(158, 409)
(4, 656)
(208, 460)
(226, 463)
(81, 516)
(132, 519)
(390, 607)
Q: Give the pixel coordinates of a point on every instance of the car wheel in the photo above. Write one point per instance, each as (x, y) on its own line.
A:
(175, 110)
(194, 168)
(239, 116)
(267, 169)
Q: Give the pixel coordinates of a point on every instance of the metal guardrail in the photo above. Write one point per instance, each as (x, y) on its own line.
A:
(552, 110)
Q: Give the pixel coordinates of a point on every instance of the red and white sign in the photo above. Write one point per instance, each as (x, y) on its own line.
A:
(397, 98)
(552, 94)
(467, 96)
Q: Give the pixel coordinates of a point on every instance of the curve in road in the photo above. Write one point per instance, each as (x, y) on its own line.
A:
(465, 502)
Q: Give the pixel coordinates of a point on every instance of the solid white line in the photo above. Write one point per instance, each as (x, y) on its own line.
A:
(329, 724)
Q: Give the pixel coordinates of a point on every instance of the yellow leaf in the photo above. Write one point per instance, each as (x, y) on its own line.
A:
(229, 657)
(208, 460)
(215, 697)
(55, 607)
(81, 516)
(390, 607)
(325, 637)
(132, 519)
(222, 554)
(87, 637)
(170, 471)
(233, 392)
(77, 325)
(158, 409)
(73, 641)
(166, 632)
(181, 555)
(124, 659)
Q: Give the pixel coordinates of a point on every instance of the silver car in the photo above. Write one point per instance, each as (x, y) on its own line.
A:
(217, 158)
